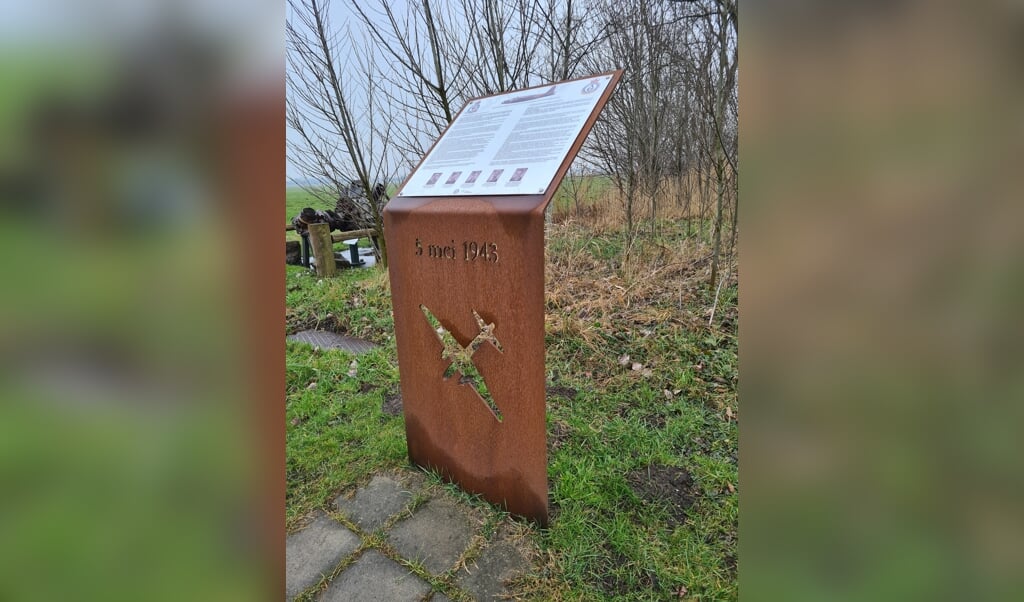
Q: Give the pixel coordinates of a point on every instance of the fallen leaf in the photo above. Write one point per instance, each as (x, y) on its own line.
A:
(295, 421)
(311, 385)
(353, 368)
(668, 394)
(682, 591)
(647, 372)
(676, 391)
(624, 360)
(728, 412)
(730, 488)
(637, 366)
(699, 367)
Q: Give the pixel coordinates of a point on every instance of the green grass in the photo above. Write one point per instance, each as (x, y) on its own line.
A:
(611, 542)
(586, 189)
(336, 432)
(605, 542)
(295, 200)
(590, 189)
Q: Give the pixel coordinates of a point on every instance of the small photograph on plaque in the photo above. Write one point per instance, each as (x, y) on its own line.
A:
(494, 176)
(453, 178)
(433, 178)
(473, 175)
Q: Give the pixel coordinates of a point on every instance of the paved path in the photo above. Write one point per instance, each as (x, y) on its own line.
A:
(394, 536)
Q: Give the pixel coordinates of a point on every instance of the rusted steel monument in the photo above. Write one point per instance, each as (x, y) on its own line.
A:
(465, 237)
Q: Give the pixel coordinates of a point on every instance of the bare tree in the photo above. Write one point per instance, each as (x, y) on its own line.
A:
(503, 44)
(715, 61)
(671, 124)
(568, 33)
(631, 139)
(425, 46)
(343, 139)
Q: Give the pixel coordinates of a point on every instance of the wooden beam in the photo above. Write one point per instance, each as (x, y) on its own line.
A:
(343, 235)
(340, 236)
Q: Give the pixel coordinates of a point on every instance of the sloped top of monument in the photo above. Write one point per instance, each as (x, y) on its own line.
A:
(517, 143)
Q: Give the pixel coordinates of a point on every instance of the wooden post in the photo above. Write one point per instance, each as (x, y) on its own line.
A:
(323, 249)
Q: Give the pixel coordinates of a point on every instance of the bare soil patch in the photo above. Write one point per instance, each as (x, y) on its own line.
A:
(392, 404)
(562, 391)
(557, 435)
(294, 322)
(654, 421)
(661, 484)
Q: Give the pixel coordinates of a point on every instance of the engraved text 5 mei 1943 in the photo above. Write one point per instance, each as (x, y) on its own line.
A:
(470, 251)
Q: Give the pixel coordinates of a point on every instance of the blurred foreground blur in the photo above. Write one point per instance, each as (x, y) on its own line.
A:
(126, 454)
(881, 337)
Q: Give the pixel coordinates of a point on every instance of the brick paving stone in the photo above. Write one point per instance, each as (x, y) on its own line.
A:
(373, 504)
(314, 552)
(486, 576)
(437, 534)
(376, 578)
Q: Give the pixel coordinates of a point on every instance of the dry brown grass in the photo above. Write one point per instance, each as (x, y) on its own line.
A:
(604, 209)
(599, 285)
(642, 286)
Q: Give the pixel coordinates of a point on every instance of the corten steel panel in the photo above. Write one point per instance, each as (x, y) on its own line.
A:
(450, 428)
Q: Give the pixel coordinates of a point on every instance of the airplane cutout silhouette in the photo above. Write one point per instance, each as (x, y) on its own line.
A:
(461, 358)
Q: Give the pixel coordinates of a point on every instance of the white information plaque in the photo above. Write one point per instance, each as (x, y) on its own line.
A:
(512, 143)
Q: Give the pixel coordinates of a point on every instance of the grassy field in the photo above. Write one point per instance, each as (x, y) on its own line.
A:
(574, 192)
(582, 187)
(578, 192)
(295, 200)
(642, 414)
